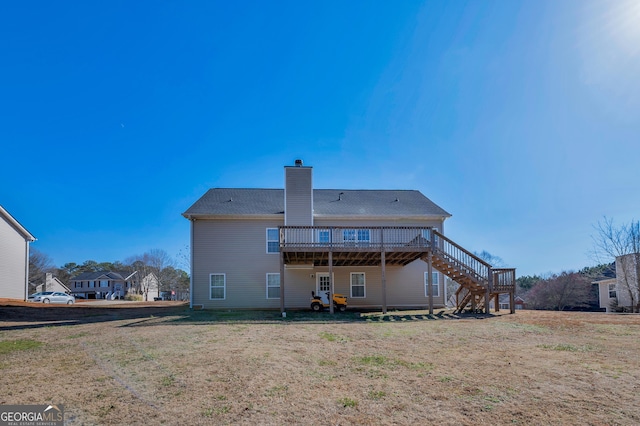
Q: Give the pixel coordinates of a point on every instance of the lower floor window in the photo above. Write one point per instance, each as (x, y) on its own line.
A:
(273, 286)
(357, 284)
(435, 284)
(217, 286)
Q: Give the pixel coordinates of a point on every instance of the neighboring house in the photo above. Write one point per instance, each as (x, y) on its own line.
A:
(14, 257)
(607, 294)
(270, 248)
(103, 285)
(505, 304)
(52, 284)
(149, 287)
(622, 292)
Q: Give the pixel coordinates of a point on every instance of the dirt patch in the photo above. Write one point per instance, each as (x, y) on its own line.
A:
(170, 365)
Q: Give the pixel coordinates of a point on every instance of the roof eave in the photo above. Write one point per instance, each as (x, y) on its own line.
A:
(21, 229)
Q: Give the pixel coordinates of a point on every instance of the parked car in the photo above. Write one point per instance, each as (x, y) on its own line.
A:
(52, 297)
(34, 295)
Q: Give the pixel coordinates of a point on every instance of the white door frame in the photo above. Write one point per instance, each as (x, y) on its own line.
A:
(323, 293)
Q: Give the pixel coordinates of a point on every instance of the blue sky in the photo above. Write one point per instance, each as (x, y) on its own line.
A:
(521, 118)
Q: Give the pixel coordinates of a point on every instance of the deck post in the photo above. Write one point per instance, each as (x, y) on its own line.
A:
(282, 310)
(496, 303)
(512, 301)
(330, 281)
(430, 280)
(487, 293)
(384, 281)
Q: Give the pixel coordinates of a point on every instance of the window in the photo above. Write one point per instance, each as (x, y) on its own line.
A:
(78, 284)
(273, 240)
(357, 284)
(273, 286)
(436, 286)
(356, 236)
(217, 286)
(104, 283)
(612, 291)
(91, 284)
(323, 236)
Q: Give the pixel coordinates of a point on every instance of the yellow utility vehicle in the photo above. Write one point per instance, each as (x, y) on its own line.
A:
(318, 303)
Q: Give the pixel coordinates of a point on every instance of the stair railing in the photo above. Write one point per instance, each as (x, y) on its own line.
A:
(460, 258)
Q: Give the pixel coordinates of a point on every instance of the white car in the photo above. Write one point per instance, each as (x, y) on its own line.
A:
(52, 297)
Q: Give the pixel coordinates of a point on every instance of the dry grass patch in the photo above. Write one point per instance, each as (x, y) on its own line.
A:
(175, 366)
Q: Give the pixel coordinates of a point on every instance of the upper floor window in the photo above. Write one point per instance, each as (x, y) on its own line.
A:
(612, 291)
(356, 235)
(104, 283)
(273, 240)
(324, 236)
(435, 284)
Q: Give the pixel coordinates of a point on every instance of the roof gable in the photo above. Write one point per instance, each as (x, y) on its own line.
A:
(16, 225)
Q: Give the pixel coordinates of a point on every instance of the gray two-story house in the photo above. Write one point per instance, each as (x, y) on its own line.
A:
(271, 248)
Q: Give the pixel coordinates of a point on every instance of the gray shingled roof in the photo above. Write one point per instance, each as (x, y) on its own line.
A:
(88, 276)
(326, 202)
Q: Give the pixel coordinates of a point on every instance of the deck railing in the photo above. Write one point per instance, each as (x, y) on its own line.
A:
(354, 237)
(504, 279)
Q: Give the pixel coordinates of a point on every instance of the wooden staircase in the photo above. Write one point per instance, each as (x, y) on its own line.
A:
(479, 281)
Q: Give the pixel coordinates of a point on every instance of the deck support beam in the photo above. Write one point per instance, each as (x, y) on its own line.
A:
(487, 292)
(384, 281)
(331, 282)
(282, 310)
(430, 280)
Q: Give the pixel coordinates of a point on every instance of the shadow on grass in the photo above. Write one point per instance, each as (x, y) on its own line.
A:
(28, 317)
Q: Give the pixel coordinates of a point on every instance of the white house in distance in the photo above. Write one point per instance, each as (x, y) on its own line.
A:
(618, 292)
(270, 248)
(52, 283)
(14, 257)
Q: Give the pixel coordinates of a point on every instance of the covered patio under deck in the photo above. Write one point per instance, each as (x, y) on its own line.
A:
(354, 246)
(395, 246)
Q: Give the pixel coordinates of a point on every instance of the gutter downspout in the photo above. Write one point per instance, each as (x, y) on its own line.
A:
(191, 263)
(26, 270)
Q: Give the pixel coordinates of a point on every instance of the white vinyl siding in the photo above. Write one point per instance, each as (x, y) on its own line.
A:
(273, 286)
(436, 284)
(273, 240)
(358, 286)
(217, 286)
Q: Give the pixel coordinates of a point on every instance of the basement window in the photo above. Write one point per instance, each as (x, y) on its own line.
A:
(436, 284)
(217, 286)
(273, 286)
(358, 285)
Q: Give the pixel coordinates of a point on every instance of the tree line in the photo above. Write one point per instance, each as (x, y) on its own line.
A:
(166, 269)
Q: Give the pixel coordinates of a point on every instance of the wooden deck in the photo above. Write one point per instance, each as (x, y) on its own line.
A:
(381, 246)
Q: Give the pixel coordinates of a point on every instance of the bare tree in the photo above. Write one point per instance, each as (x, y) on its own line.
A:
(495, 261)
(152, 268)
(39, 264)
(622, 244)
(560, 291)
